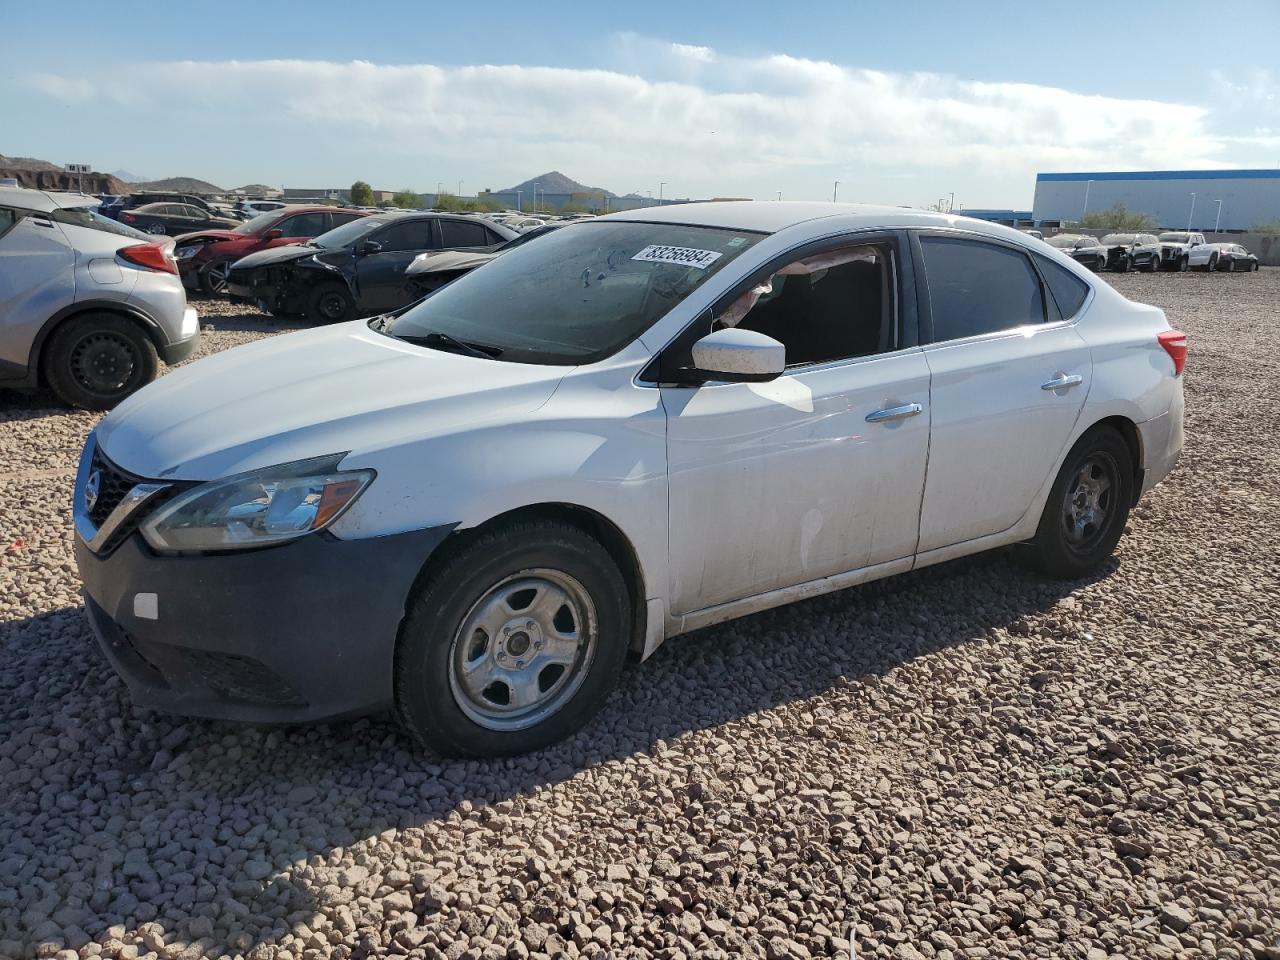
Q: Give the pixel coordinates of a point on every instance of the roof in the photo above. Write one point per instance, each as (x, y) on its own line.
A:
(43, 201)
(1163, 175)
(770, 216)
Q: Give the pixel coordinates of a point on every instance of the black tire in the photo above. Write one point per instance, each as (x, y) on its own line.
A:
(95, 360)
(1100, 264)
(213, 278)
(431, 699)
(331, 303)
(1213, 263)
(1255, 267)
(1231, 266)
(1153, 264)
(1067, 545)
(1183, 265)
(1125, 264)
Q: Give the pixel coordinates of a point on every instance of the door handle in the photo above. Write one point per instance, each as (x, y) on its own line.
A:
(1061, 381)
(900, 412)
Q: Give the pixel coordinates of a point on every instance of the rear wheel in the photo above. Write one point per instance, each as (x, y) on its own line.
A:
(96, 360)
(1231, 266)
(213, 279)
(331, 303)
(1213, 263)
(155, 228)
(514, 643)
(1087, 507)
(1153, 264)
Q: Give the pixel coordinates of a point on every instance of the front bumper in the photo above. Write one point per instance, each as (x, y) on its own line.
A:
(300, 632)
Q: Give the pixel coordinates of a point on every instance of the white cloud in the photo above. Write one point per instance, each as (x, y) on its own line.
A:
(705, 122)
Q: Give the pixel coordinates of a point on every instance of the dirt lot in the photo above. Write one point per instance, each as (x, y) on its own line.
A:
(965, 762)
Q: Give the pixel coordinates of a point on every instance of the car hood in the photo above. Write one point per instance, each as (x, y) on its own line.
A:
(211, 235)
(308, 394)
(278, 255)
(439, 260)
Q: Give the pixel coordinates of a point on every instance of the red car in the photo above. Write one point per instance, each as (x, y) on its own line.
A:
(205, 255)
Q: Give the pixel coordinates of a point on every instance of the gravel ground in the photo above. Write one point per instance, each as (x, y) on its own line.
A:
(963, 762)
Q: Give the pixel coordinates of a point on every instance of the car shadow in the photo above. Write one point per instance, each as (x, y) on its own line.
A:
(352, 780)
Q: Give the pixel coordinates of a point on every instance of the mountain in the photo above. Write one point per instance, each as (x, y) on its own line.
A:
(128, 177)
(42, 175)
(178, 185)
(28, 163)
(555, 182)
(257, 190)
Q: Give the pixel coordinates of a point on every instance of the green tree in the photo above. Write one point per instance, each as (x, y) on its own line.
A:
(1271, 226)
(1118, 218)
(405, 198)
(361, 194)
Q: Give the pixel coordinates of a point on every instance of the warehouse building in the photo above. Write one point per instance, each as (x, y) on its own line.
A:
(1202, 199)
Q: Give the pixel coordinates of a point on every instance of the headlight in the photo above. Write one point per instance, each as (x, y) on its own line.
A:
(186, 253)
(257, 509)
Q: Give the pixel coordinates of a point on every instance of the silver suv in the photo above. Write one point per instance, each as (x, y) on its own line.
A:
(88, 306)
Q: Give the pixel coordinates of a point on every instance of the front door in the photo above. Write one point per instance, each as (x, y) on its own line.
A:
(380, 275)
(818, 472)
(1008, 382)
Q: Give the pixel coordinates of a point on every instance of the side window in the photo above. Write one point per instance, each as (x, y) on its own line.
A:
(1067, 289)
(305, 225)
(7, 219)
(977, 287)
(405, 235)
(338, 219)
(828, 306)
(463, 233)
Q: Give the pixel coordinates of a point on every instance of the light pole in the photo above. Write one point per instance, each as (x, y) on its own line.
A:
(1087, 185)
(951, 205)
(459, 188)
(779, 194)
(1217, 219)
(439, 190)
(519, 209)
(660, 186)
(535, 197)
(835, 190)
(650, 193)
(1192, 212)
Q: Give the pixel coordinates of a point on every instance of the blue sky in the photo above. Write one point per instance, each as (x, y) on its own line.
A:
(902, 103)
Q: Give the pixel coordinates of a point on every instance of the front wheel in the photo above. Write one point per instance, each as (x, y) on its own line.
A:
(1153, 264)
(1087, 507)
(213, 279)
(1213, 263)
(331, 303)
(96, 360)
(1183, 264)
(513, 643)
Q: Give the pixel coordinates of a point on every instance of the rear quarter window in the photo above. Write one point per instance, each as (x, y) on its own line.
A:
(7, 219)
(1068, 290)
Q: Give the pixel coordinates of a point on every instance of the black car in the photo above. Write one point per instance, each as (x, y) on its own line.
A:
(356, 269)
(1234, 258)
(1082, 249)
(172, 219)
(1127, 251)
(428, 272)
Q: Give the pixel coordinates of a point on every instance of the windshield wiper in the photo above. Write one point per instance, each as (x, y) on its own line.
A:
(443, 341)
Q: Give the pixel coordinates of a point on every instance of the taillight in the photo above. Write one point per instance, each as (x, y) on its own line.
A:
(153, 256)
(1175, 345)
(128, 217)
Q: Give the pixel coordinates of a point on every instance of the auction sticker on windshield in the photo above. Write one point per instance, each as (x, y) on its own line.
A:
(685, 256)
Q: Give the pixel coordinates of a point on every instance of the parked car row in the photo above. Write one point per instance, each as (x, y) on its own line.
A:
(1172, 250)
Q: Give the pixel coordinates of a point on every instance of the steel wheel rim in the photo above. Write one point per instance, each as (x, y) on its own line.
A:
(217, 274)
(155, 228)
(103, 363)
(1088, 509)
(332, 306)
(523, 649)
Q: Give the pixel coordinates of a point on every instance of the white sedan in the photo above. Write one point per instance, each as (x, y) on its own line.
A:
(639, 425)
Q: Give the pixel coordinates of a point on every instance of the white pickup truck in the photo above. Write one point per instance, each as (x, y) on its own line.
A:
(1180, 250)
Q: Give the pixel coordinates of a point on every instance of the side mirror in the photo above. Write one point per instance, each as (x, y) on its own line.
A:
(368, 247)
(273, 235)
(739, 356)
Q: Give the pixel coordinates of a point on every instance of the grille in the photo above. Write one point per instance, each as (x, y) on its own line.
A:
(240, 677)
(113, 484)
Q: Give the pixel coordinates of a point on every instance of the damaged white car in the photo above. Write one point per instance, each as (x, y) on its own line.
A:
(633, 427)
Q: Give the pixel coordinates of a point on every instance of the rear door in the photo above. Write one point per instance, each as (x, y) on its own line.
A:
(465, 234)
(1009, 376)
(380, 276)
(36, 280)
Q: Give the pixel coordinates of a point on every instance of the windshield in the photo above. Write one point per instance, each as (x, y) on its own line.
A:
(258, 223)
(349, 233)
(1063, 241)
(576, 296)
(1118, 238)
(89, 218)
(1175, 237)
